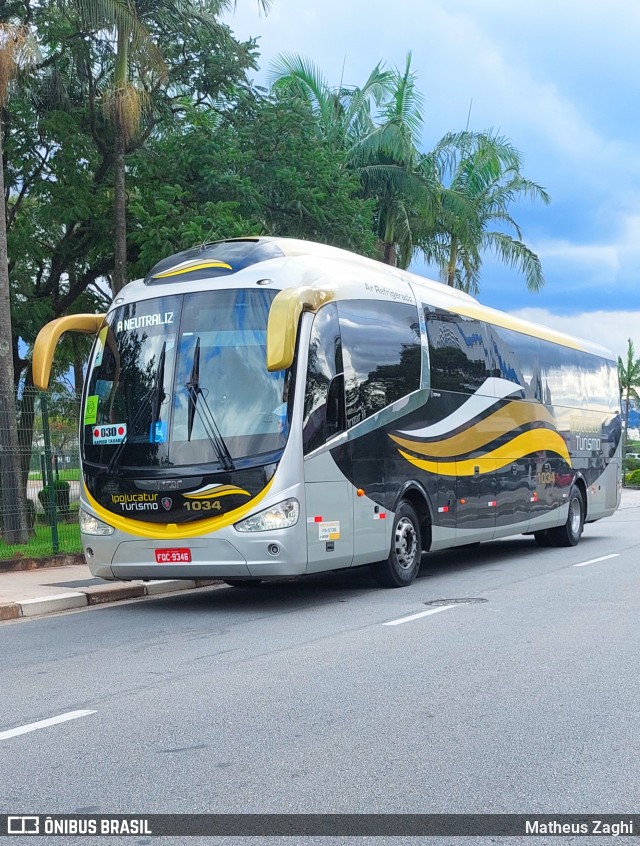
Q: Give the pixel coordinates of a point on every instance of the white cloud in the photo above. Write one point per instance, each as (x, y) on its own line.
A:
(612, 263)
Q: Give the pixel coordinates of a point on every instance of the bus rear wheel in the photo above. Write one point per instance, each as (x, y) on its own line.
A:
(570, 533)
(403, 563)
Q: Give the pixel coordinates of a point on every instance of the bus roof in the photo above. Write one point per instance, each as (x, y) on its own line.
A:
(224, 259)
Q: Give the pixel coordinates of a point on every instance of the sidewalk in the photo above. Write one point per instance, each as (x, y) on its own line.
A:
(31, 593)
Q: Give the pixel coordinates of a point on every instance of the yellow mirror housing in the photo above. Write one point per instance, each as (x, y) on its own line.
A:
(284, 316)
(49, 336)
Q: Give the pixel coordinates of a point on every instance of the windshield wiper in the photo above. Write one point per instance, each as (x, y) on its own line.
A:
(157, 395)
(206, 415)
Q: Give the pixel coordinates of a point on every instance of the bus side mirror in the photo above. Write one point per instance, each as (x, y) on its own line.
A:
(282, 324)
(49, 336)
(336, 414)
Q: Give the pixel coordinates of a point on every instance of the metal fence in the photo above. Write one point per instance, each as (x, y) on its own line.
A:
(40, 477)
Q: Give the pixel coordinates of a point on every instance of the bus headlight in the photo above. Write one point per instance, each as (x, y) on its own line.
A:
(90, 525)
(279, 516)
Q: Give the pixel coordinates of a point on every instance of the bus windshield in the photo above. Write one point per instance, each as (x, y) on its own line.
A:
(182, 380)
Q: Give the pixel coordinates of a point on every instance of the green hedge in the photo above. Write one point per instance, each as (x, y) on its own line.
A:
(633, 478)
(60, 491)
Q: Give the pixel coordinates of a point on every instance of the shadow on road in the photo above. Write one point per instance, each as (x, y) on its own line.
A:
(294, 593)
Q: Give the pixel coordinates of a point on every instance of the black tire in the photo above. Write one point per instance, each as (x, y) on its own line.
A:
(403, 563)
(542, 538)
(242, 583)
(570, 533)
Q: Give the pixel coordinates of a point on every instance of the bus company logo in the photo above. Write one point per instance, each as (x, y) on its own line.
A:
(136, 501)
(167, 502)
(587, 433)
(144, 321)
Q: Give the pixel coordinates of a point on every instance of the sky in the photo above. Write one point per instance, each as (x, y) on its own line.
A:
(560, 79)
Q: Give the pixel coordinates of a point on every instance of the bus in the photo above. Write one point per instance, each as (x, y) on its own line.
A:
(265, 407)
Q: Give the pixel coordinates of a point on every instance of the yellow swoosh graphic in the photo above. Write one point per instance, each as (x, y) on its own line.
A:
(173, 531)
(201, 265)
(223, 490)
(509, 417)
(537, 440)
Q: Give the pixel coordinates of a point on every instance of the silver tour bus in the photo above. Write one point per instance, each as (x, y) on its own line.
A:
(267, 407)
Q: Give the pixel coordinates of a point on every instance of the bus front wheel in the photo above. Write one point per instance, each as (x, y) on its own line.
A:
(403, 563)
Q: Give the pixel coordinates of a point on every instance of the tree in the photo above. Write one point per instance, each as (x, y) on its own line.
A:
(263, 170)
(381, 147)
(15, 52)
(629, 377)
(342, 113)
(388, 162)
(478, 178)
(58, 160)
(137, 25)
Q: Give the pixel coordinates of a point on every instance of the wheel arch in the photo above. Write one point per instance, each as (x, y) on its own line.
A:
(580, 482)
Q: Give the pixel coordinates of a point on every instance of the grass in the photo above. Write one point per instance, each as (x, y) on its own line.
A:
(40, 544)
(71, 475)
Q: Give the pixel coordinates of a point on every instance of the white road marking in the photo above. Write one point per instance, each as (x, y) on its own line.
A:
(595, 560)
(52, 721)
(421, 614)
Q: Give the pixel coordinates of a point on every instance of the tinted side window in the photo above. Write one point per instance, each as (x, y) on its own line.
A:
(597, 373)
(562, 376)
(517, 359)
(324, 362)
(459, 351)
(382, 355)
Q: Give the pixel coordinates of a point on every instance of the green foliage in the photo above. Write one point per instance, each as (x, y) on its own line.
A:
(264, 172)
(453, 203)
(58, 495)
(59, 152)
(633, 478)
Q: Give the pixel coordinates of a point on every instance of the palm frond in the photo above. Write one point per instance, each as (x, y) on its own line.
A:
(517, 255)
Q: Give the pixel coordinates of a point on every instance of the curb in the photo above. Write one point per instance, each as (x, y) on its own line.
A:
(99, 595)
(64, 559)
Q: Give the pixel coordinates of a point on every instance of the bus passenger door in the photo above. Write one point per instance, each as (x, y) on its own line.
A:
(327, 455)
(477, 501)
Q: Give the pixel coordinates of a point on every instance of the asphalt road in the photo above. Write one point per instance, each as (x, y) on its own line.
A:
(300, 697)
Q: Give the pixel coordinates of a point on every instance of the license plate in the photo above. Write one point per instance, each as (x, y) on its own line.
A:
(178, 555)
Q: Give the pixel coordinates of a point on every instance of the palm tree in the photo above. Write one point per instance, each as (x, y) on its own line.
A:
(378, 125)
(133, 24)
(629, 377)
(380, 147)
(479, 178)
(343, 113)
(389, 164)
(16, 52)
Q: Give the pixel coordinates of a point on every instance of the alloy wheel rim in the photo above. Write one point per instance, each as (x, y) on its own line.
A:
(406, 542)
(575, 515)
